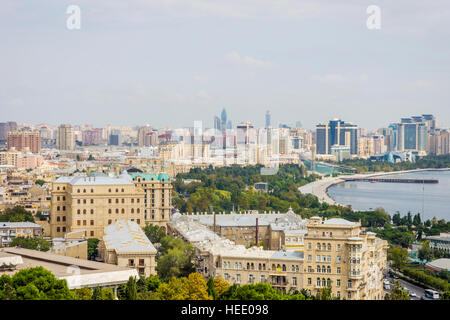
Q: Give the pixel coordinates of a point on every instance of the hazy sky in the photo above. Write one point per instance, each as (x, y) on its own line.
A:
(170, 62)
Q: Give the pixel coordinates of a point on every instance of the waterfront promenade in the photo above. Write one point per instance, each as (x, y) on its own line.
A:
(319, 188)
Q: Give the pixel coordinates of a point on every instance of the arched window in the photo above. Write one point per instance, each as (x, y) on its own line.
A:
(328, 282)
(324, 269)
(318, 282)
(284, 267)
(318, 269)
(328, 269)
(324, 283)
(329, 247)
(132, 210)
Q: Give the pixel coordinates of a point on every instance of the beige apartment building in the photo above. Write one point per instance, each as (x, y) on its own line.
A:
(126, 245)
(337, 254)
(157, 198)
(93, 202)
(340, 255)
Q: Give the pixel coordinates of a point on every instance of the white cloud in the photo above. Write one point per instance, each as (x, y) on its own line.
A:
(236, 58)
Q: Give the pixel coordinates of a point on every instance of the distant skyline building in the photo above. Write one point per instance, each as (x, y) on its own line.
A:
(223, 116)
(19, 140)
(5, 127)
(66, 137)
(336, 132)
(268, 119)
(217, 123)
(412, 133)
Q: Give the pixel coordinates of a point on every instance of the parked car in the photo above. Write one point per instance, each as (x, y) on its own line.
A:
(412, 294)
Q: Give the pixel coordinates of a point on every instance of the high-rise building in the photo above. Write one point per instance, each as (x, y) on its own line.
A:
(336, 132)
(268, 124)
(412, 133)
(5, 127)
(223, 117)
(66, 138)
(217, 123)
(93, 136)
(439, 142)
(21, 140)
(147, 137)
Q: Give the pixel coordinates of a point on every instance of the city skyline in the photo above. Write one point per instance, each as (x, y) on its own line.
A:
(180, 61)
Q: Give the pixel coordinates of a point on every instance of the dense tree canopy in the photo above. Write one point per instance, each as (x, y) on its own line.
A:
(34, 284)
(16, 214)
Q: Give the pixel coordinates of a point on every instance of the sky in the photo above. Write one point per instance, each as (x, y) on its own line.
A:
(172, 62)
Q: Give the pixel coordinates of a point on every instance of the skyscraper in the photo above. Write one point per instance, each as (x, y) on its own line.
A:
(66, 137)
(412, 133)
(217, 123)
(268, 124)
(223, 117)
(336, 132)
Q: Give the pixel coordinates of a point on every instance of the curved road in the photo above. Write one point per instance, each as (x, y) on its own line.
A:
(319, 188)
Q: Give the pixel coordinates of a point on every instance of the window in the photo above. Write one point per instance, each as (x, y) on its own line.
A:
(318, 282)
(58, 218)
(63, 229)
(349, 284)
(263, 279)
(349, 295)
(78, 211)
(328, 269)
(309, 281)
(338, 247)
(318, 246)
(309, 246)
(338, 259)
(58, 208)
(84, 211)
(92, 233)
(92, 222)
(92, 201)
(109, 200)
(309, 257)
(324, 282)
(109, 211)
(338, 282)
(58, 229)
(64, 218)
(324, 269)
(294, 281)
(138, 221)
(338, 270)
(329, 247)
(318, 269)
(310, 269)
(338, 294)
(109, 221)
(92, 211)
(131, 262)
(317, 258)
(328, 258)
(92, 190)
(78, 223)
(141, 262)
(238, 278)
(328, 282)
(84, 222)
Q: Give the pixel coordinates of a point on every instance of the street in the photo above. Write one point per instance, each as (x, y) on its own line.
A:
(420, 292)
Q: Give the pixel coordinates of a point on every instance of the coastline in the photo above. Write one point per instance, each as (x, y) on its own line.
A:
(320, 188)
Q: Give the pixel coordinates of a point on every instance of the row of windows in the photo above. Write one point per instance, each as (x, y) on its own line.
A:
(323, 258)
(261, 266)
(63, 229)
(323, 269)
(328, 282)
(324, 246)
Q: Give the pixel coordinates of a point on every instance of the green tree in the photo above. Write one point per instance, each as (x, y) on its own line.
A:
(40, 182)
(154, 233)
(131, 290)
(83, 294)
(397, 293)
(425, 252)
(16, 214)
(30, 243)
(259, 291)
(398, 256)
(92, 247)
(175, 258)
(97, 294)
(211, 288)
(39, 284)
(445, 295)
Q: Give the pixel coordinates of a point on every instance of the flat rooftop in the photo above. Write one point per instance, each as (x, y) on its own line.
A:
(78, 272)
